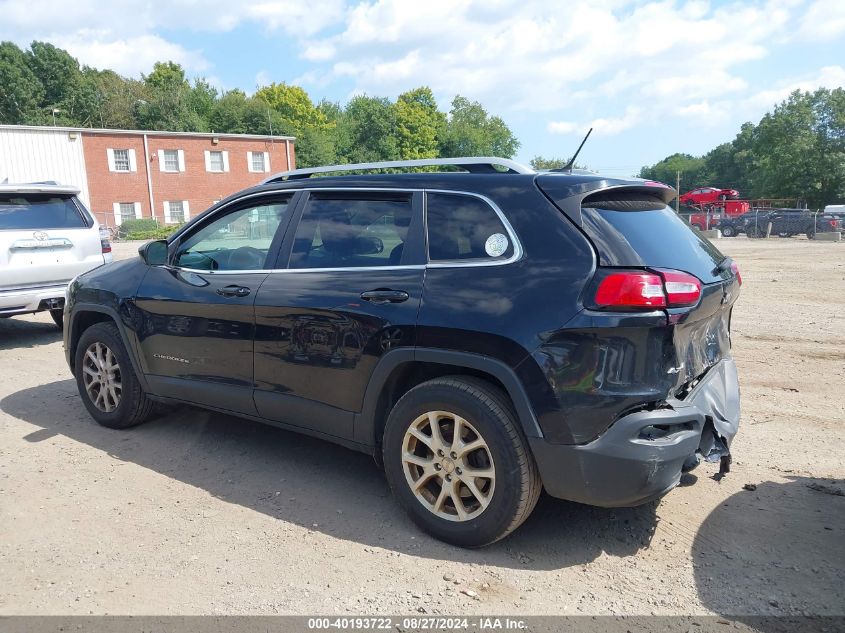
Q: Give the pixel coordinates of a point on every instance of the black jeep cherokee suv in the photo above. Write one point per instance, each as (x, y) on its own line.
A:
(485, 333)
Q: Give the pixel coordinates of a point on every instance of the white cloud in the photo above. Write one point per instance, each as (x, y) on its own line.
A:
(262, 78)
(295, 17)
(826, 77)
(561, 127)
(131, 56)
(125, 35)
(612, 64)
(824, 20)
(604, 126)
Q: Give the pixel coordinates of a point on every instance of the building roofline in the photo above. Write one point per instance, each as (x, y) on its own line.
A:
(88, 130)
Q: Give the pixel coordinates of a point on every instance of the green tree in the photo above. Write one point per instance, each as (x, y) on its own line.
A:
(539, 162)
(57, 71)
(470, 131)
(227, 113)
(201, 98)
(22, 91)
(293, 104)
(167, 104)
(419, 124)
(799, 148)
(367, 131)
(692, 170)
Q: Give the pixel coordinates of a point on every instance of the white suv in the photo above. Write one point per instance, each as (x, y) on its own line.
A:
(47, 237)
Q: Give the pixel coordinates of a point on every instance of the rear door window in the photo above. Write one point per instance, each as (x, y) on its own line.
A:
(465, 228)
(351, 230)
(21, 212)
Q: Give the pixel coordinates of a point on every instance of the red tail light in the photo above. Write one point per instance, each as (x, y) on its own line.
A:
(833, 223)
(682, 289)
(735, 271)
(104, 240)
(631, 290)
(635, 289)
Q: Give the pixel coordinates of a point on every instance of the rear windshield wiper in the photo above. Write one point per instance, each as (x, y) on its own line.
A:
(723, 266)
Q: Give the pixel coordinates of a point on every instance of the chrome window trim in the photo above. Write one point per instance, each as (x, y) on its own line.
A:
(462, 263)
(517, 245)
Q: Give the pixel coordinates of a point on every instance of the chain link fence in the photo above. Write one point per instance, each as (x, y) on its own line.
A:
(764, 222)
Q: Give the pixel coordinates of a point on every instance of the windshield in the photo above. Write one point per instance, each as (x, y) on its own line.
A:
(39, 211)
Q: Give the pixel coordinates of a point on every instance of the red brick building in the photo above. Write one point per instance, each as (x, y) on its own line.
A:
(171, 176)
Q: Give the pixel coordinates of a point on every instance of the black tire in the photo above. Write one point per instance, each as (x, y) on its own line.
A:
(133, 407)
(58, 317)
(487, 409)
(728, 231)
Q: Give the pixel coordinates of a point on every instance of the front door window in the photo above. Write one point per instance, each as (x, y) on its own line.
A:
(238, 240)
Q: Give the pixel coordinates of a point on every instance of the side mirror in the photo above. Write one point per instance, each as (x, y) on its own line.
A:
(154, 253)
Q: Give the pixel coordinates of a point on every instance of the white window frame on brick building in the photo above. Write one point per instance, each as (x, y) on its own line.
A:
(171, 161)
(263, 167)
(120, 207)
(216, 161)
(170, 206)
(122, 160)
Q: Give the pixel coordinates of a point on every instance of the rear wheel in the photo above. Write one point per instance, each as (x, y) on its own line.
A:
(58, 317)
(106, 380)
(457, 462)
(728, 231)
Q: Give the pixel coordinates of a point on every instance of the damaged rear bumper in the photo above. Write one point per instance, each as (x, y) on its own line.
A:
(642, 455)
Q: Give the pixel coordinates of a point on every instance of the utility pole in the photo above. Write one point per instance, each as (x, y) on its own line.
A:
(678, 189)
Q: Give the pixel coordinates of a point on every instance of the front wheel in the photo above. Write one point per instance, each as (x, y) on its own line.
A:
(728, 231)
(106, 380)
(458, 463)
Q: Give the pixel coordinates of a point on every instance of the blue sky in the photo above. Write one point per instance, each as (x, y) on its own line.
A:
(652, 77)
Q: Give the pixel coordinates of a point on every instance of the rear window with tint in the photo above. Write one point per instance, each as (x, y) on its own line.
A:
(39, 211)
(462, 227)
(654, 237)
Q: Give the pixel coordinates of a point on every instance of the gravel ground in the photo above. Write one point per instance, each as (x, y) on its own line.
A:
(198, 513)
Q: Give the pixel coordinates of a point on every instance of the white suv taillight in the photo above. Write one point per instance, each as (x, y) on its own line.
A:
(104, 240)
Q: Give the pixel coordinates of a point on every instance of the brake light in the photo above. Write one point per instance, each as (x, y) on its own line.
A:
(105, 245)
(636, 289)
(682, 289)
(735, 271)
(833, 223)
(631, 290)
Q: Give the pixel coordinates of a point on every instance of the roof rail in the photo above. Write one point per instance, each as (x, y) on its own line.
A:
(474, 165)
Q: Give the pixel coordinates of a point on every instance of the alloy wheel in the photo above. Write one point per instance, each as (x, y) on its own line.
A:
(448, 466)
(101, 377)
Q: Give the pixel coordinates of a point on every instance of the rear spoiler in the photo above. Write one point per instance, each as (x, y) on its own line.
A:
(569, 194)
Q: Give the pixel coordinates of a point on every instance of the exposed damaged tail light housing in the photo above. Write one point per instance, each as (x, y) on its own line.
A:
(735, 271)
(682, 289)
(631, 290)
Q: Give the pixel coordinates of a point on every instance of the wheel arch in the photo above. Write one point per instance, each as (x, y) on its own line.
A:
(86, 315)
(401, 370)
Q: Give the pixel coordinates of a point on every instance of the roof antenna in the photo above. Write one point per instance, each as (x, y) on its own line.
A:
(568, 167)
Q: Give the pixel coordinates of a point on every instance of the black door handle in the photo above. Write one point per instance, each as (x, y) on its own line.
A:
(383, 295)
(233, 291)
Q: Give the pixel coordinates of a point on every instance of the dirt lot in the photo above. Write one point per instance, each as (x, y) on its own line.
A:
(197, 513)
